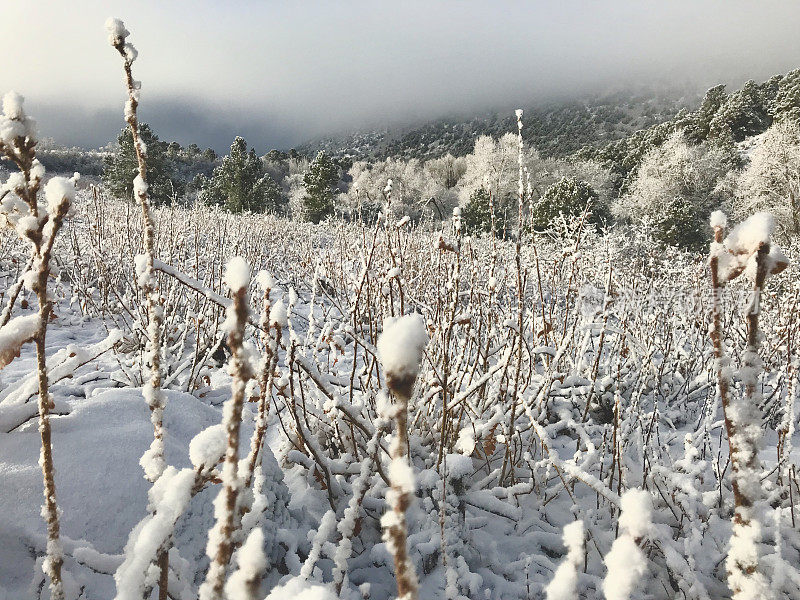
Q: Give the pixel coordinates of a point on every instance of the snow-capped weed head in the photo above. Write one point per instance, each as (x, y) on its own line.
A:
(718, 219)
(237, 274)
(60, 193)
(116, 31)
(747, 237)
(637, 509)
(401, 347)
(13, 106)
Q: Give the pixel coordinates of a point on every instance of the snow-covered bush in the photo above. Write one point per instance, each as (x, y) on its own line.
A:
(675, 188)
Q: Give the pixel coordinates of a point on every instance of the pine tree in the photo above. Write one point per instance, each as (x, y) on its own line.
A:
(477, 214)
(743, 114)
(786, 105)
(569, 197)
(698, 128)
(241, 183)
(319, 184)
(121, 168)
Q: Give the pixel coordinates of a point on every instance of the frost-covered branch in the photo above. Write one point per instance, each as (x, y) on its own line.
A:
(153, 459)
(400, 348)
(749, 249)
(38, 226)
(220, 538)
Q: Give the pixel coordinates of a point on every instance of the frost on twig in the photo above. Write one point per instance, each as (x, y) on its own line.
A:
(400, 349)
(243, 583)
(564, 585)
(38, 225)
(747, 249)
(220, 538)
(168, 499)
(626, 563)
(153, 459)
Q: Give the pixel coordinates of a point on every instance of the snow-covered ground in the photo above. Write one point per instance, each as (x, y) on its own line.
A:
(614, 391)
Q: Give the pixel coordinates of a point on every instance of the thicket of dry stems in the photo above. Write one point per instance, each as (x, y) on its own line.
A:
(39, 227)
(222, 536)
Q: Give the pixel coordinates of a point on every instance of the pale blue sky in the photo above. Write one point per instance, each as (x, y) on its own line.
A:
(281, 72)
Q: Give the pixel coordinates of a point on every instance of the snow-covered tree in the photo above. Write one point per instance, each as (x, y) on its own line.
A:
(568, 196)
(241, 183)
(743, 114)
(122, 167)
(491, 166)
(771, 181)
(675, 189)
(319, 184)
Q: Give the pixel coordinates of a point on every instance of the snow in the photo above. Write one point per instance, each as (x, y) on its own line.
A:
(564, 584)
(100, 490)
(459, 466)
(718, 219)
(131, 53)
(168, 498)
(251, 564)
(13, 105)
(278, 314)
(626, 566)
(402, 344)
(58, 190)
(777, 260)
(237, 274)
(749, 235)
(116, 31)
(626, 563)
(402, 475)
(265, 281)
(466, 441)
(637, 510)
(208, 447)
(139, 186)
(14, 334)
(298, 588)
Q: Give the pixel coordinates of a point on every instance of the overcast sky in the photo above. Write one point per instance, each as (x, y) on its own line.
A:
(279, 73)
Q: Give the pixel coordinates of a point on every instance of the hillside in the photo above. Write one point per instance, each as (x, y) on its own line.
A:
(556, 128)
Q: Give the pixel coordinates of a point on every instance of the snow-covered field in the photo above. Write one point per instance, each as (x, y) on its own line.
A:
(610, 387)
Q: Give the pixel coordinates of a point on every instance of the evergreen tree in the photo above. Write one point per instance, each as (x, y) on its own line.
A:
(241, 183)
(319, 184)
(698, 127)
(475, 214)
(122, 167)
(743, 114)
(786, 103)
(569, 197)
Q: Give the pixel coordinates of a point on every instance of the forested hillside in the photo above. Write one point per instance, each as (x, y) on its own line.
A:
(554, 128)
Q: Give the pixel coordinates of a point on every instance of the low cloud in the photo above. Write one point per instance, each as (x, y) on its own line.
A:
(280, 73)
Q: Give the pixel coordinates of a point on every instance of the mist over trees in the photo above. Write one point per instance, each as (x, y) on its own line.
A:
(736, 150)
(172, 168)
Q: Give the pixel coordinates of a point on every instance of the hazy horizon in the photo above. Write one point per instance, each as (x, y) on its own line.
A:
(281, 73)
